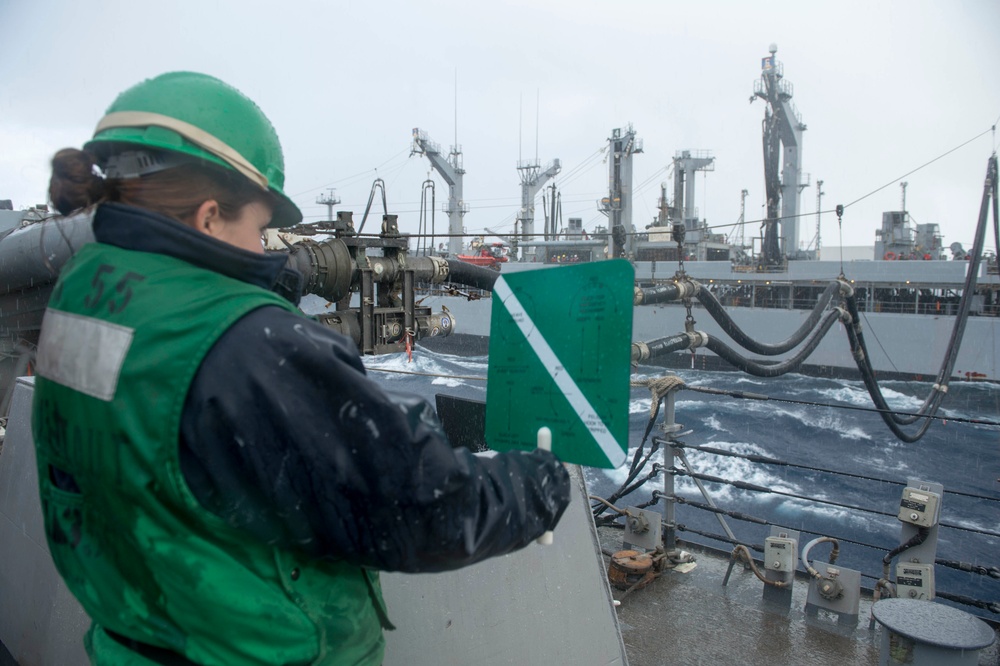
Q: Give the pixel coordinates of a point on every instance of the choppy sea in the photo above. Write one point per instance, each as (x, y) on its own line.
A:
(962, 457)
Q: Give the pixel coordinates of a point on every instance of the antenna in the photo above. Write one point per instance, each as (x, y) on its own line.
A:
(456, 106)
(819, 206)
(520, 125)
(537, 104)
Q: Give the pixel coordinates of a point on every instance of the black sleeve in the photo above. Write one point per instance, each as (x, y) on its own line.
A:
(284, 435)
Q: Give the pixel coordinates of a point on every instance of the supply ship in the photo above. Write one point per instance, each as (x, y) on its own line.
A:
(639, 572)
(908, 287)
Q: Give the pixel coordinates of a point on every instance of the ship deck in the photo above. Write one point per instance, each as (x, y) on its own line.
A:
(691, 618)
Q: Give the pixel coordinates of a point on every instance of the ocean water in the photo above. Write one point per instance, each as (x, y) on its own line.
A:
(962, 457)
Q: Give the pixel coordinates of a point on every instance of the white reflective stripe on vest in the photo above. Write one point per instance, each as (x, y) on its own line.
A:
(83, 353)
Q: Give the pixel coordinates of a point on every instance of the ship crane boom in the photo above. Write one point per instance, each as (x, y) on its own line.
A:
(782, 129)
(450, 168)
(533, 179)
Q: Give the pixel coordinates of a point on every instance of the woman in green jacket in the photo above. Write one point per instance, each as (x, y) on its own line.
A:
(221, 481)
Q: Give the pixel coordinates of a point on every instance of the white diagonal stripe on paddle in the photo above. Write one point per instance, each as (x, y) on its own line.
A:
(591, 420)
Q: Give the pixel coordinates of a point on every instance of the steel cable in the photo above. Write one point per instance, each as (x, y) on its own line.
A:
(743, 485)
(761, 521)
(747, 395)
(990, 572)
(992, 606)
(718, 537)
(783, 463)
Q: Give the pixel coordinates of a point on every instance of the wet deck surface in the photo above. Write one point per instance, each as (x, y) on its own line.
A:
(690, 618)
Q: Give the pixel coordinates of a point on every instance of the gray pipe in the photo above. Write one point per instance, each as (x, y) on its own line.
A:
(32, 257)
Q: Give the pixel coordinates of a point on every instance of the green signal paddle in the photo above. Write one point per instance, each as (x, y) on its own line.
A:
(559, 358)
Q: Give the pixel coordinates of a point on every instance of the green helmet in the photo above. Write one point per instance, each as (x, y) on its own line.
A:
(201, 116)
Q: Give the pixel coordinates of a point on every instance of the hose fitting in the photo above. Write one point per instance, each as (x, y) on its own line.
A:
(698, 339)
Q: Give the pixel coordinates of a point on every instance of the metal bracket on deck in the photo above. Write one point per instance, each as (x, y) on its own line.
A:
(643, 529)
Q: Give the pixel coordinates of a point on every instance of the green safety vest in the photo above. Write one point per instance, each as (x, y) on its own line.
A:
(122, 338)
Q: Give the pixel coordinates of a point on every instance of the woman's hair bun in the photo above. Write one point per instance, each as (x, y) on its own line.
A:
(74, 183)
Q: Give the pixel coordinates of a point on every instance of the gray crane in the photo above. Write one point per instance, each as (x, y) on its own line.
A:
(533, 179)
(450, 168)
(783, 127)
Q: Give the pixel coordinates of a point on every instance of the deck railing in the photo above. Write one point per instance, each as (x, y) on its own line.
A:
(789, 510)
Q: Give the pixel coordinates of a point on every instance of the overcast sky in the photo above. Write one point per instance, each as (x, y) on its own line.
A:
(883, 86)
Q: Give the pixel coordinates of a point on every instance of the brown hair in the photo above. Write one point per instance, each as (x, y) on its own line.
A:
(176, 192)
(73, 183)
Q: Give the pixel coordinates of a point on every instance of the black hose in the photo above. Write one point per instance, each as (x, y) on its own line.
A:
(660, 347)
(663, 293)
(719, 314)
(471, 275)
(970, 277)
(914, 540)
(750, 366)
(868, 377)
(933, 401)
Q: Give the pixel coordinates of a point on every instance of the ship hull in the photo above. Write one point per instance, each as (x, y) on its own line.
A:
(901, 345)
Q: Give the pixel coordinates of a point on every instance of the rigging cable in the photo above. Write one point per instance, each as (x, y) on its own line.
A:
(743, 485)
(745, 395)
(992, 606)
(880, 345)
(767, 460)
(758, 521)
(658, 387)
(991, 572)
(945, 154)
(358, 175)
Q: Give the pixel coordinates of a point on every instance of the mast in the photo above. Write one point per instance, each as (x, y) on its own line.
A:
(330, 199)
(686, 165)
(618, 204)
(819, 208)
(533, 179)
(782, 127)
(738, 237)
(451, 170)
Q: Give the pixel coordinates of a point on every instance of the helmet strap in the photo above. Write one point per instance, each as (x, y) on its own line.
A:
(137, 163)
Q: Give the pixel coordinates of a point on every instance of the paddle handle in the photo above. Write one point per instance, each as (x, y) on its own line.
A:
(544, 442)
